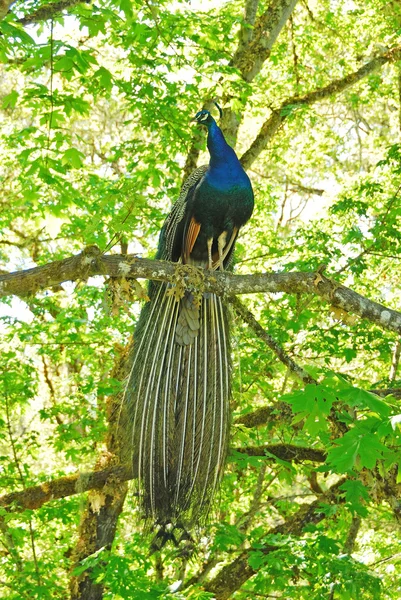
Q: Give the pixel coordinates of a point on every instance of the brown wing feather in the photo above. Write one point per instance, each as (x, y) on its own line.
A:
(191, 235)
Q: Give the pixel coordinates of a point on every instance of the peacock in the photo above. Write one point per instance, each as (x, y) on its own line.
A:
(178, 389)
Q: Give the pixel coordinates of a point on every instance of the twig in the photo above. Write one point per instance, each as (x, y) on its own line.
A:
(51, 87)
(256, 499)
(52, 391)
(352, 534)
(395, 361)
(278, 350)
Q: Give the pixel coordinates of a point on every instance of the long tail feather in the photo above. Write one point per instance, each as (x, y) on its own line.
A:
(177, 402)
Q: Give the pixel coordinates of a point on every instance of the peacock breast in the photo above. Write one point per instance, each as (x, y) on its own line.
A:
(217, 202)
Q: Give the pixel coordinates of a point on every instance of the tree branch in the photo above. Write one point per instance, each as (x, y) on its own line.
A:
(48, 11)
(91, 262)
(102, 508)
(288, 452)
(279, 412)
(337, 86)
(36, 496)
(278, 350)
(247, 26)
(250, 57)
(352, 534)
(4, 7)
(256, 39)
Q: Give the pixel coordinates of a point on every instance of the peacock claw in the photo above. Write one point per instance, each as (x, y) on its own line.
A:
(187, 278)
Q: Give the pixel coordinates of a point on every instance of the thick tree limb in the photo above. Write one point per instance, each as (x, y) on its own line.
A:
(278, 413)
(250, 57)
(288, 452)
(103, 507)
(256, 39)
(36, 496)
(92, 262)
(337, 86)
(234, 575)
(246, 32)
(4, 7)
(48, 11)
(97, 531)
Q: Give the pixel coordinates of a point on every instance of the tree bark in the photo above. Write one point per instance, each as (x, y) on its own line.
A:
(4, 7)
(250, 57)
(48, 11)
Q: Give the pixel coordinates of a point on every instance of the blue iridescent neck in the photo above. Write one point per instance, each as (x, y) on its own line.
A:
(220, 152)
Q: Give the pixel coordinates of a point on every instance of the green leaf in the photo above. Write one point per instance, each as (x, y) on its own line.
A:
(16, 31)
(10, 100)
(227, 536)
(328, 545)
(356, 495)
(364, 399)
(342, 457)
(284, 463)
(243, 460)
(105, 78)
(360, 443)
(90, 561)
(126, 7)
(370, 451)
(257, 559)
(312, 404)
(64, 64)
(73, 157)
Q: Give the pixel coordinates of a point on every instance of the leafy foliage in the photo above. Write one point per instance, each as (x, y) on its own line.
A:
(95, 106)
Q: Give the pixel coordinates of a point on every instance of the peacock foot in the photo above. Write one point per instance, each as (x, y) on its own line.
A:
(187, 278)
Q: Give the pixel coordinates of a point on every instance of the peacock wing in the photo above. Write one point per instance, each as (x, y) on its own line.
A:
(173, 227)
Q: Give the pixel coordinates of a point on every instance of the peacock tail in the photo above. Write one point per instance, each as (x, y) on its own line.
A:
(180, 409)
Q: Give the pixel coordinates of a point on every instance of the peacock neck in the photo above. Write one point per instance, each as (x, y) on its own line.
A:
(220, 152)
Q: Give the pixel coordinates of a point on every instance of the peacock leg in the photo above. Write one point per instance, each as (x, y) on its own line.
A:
(221, 242)
(209, 253)
(226, 249)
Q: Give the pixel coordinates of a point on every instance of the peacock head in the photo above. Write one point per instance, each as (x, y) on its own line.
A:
(203, 117)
